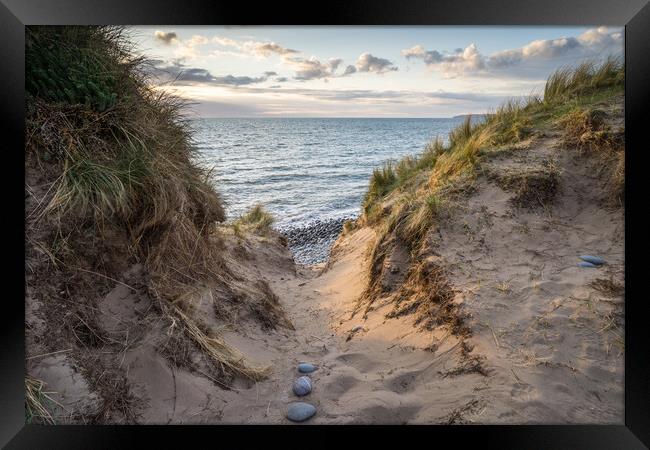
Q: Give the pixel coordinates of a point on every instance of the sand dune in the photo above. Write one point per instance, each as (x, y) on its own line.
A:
(545, 342)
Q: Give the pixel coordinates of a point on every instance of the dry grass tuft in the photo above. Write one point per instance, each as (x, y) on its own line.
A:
(587, 131)
(608, 286)
(268, 310)
(427, 294)
(256, 219)
(35, 399)
(226, 357)
(532, 188)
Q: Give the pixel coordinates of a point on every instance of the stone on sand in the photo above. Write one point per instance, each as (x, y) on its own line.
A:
(586, 264)
(300, 411)
(306, 368)
(302, 386)
(596, 260)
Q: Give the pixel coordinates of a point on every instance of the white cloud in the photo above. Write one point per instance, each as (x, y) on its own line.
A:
(178, 73)
(369, 63)
(600, 36)
(197, 40)
(312, 68)
(166, 37)
(592, 43)
(224, 41)
(416, 51)
(266, 49)
(461, 61)
(335, 62)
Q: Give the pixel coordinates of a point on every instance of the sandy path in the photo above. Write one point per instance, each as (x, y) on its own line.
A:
(381, 375)
(550, 341)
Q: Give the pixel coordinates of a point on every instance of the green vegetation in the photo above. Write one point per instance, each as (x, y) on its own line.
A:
(123, 164)
(405, 199)
(256, 219)
(569, 83)
(35, 402)
(112, 183)
(586, 131)
(75, 65)
(568, 92)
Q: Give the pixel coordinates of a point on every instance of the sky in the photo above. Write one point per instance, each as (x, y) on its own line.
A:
(326, 71)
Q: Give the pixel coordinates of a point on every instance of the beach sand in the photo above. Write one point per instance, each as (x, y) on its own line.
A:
(545, 343)
(551, 345)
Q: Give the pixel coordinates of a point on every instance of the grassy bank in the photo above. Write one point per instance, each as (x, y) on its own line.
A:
(111, 185)
(407, 199)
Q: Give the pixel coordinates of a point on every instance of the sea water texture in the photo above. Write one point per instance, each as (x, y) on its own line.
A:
(311, 174)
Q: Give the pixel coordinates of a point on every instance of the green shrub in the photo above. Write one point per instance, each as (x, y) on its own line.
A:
(76, 65)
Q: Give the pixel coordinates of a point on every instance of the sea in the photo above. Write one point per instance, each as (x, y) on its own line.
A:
(305, 170)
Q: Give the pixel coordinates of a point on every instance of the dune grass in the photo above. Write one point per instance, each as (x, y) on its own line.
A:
(584, 79)
(257, 219)
(405, 197)
(117, 158)
(512, 122)
(585, 130)
(36, 399)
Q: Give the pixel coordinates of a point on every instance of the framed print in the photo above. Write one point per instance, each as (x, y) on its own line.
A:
(415, 214)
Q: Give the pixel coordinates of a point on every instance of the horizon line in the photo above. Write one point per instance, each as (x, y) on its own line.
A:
(334, 117)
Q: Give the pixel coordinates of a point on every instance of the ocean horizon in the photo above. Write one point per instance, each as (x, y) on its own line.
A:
(305, 169)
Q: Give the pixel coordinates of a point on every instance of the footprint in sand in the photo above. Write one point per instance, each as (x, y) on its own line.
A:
(358, 360)
(402, 383)
(341, 384)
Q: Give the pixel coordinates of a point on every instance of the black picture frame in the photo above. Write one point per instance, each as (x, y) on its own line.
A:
(633, 14)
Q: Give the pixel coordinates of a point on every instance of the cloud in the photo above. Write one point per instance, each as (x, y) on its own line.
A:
(178, 73)
(305, 69)
(393, 96)
(416, 51)
(225, 42)
(266, 49)
(600, 36)
(335, 62)
(312, 68)
(592, 43)
(166, 37)
(369, 63)
(189, 48)
(429, 57)
(196, 40)
(349, 70)
(461, 61)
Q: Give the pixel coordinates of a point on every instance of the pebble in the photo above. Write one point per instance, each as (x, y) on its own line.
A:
(311, 243)
(597, 260)
(357, 328)
(306, 368)
(300, 411)
(586, 264)
(302, 386)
